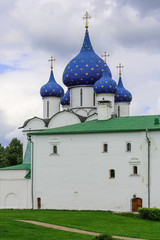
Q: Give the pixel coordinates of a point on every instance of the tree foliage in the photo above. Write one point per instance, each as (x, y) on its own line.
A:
(103, 237)
(12, 154)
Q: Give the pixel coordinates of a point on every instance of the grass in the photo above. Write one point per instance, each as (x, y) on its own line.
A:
(10, 230)
(95, 221)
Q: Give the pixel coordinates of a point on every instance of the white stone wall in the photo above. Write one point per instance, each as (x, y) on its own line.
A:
(105, 110)
(124, 109)
(77, 177)
(15, 190)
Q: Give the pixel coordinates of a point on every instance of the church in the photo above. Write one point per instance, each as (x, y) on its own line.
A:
(87, 152)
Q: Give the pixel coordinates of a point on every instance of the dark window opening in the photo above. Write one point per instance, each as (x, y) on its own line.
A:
(81, 95)
(47, 109)
(135, 170)
(105, 147)
(54, 149)
(94, 99)
(128, 147)
(118, 111)
(112, 173)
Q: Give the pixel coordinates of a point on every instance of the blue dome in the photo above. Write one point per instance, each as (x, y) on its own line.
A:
(122, 94)
(51, 88)
(65, 100)
(86, 68)
(105, 85)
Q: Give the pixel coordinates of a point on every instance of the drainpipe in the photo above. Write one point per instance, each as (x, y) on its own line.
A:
(32, 144)
(149, 144)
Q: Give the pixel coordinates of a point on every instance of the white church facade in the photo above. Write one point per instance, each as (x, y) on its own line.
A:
(91, 154)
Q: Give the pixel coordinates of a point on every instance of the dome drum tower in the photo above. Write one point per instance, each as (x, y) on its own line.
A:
(82, 97)
(123, 98)
(105, 89)
(51, 94)
(80, 75)
(51, 105)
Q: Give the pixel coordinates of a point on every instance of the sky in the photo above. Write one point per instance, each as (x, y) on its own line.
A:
(34, 30)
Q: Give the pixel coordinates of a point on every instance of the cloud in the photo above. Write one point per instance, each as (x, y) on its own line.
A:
(32, 31)
(144, 6)
(5, 129)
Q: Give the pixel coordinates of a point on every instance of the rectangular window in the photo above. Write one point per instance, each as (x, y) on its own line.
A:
(112, 173)
(105, 147)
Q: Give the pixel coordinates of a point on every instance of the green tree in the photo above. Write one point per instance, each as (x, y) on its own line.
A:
(3, 158)
(14, 152)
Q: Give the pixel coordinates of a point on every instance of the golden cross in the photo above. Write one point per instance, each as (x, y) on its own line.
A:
(120, 67)
(86, 17)
(51, 60)
(105, 57)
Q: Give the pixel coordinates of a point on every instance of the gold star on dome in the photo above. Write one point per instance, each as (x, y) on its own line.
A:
(105, 57)
(86, 17)
(120, 67)
(51, 60)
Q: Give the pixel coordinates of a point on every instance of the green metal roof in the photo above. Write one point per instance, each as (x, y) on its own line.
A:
(27, 155)
(118, 124)
(18, 167)
(28, 175)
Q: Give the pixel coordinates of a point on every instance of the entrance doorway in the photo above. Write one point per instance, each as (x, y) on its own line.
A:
(39, 203)
(136, 203)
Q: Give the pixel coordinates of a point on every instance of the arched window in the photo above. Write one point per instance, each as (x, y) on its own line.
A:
(118, 111)
(128, 147)
(54, 149)
(112, 173)
(81, 96)
(47, 109)
(135, 170)
(105, 147)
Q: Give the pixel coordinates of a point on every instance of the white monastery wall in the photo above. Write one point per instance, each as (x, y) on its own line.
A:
(15, 190)
(155, 167)
(77, 177)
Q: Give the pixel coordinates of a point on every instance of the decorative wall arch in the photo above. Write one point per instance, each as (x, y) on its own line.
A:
(11, 201)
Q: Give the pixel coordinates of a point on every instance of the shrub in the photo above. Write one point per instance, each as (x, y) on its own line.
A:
(150, 213)
(103, 237)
